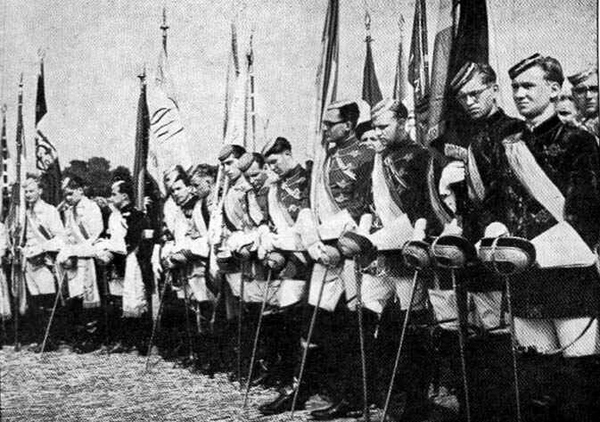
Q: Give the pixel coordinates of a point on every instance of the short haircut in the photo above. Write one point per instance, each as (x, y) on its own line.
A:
(183, 176)
(550, 66)
(280, 145)
(393, 105)
(259, 159)
(73, 182)
(487, 72)
(204, 170)
(125, 187)
(178, 170)
(35, 178)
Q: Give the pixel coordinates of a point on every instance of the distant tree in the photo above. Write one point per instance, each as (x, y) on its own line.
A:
(96, 174)
(121, 173)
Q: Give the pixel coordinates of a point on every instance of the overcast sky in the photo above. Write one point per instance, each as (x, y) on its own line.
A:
(95, 48)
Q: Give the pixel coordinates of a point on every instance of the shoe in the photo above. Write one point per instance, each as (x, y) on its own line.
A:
(85, 347)
(283, 402)
(341, 409)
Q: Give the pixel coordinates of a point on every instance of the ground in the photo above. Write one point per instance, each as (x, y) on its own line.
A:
(98, 387)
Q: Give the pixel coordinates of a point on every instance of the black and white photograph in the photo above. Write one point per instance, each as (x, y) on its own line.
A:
(283, 210)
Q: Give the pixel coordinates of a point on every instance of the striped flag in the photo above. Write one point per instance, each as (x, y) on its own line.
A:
(46, 156)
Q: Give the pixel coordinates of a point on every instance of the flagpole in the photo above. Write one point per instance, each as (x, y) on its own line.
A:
(164, 27)
(250, 58)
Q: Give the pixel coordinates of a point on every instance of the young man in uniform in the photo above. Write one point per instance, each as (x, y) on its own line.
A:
(585, 96)
(400, 199)
(44, 237)
(341, 195)
(549, 195)
(473, 165)
(130, 255)
(83, 225)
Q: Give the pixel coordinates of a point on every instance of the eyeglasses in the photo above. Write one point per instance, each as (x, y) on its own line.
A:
(475, 95)
(584, 89)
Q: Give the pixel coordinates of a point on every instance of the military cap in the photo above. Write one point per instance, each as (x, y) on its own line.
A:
(525, 64)
(276, 146)
(452, 251)
(464, 75)
(578, 78)
(275, 261)
(352, 244)
(225, 152)
(245, 161)
(507, 254)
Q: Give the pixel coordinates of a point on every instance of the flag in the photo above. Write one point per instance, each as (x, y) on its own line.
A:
(327, 75)
(168, 144)
(371, 92)
(455, 44)
(326, 92)
(418, 67)
(236, 128)
(46, 156)
(141, 145)
(400, 76)
(4, 160)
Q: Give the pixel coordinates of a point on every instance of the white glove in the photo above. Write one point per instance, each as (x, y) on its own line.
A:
(316, 251)
(452, 173)
(64, 255)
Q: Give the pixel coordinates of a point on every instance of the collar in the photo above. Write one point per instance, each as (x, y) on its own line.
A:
(544, 127)
(350, 142)
(293, 173)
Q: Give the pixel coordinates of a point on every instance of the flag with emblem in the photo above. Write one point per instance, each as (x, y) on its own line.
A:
(46, 156)
(168, 144)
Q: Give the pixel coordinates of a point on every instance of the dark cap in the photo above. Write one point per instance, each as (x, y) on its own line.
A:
(525, 64)
(464, 75)
(245, 161)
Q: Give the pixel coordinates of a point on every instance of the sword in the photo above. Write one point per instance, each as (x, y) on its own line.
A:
(256, 337)
(47, 332)
(361, 335)
(311, 328)
(158, 316)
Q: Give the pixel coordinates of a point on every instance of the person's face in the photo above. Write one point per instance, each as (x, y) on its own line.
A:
(230, 168)
(169, 178)
(181, 193)
(117, 198)
(73, 196)
(388, 129)
(255, 176)
(32, 191)
(281, 163)
(585, 95)
(566, 111)
(477, 99)
(369, 137)
(202, 185)
(532, 93)
(335, 129)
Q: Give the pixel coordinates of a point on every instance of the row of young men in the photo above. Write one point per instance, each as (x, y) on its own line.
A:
(273, 238)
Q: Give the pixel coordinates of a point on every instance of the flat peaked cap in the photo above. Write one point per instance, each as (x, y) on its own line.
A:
(225, 152)
(268, 146)
(578, 78)
(245, 161)
(464, 75)
(524, 64)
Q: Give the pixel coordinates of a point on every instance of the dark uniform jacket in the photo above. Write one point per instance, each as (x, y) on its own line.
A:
(569, 157)
(349, 168)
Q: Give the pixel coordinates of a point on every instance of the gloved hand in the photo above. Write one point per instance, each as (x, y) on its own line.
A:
(157, 268)
(454, 172)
